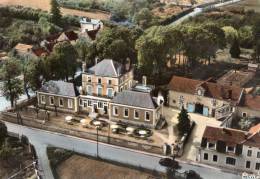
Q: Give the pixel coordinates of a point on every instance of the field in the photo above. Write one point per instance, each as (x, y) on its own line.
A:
(45, 5)
(248, 5)
(82, 167)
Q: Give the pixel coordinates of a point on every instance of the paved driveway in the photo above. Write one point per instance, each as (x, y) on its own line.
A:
(190, 150)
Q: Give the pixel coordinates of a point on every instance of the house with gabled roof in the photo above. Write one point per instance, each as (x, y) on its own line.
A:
(101, 82)
(231, 148)
(136, 106)
(58, 95)
(204, 97)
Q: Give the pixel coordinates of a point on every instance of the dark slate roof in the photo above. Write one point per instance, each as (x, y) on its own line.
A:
(136, 99)
(107, 67)
(59, 88)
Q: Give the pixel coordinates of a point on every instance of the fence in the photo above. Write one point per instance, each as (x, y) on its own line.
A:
(29, 121)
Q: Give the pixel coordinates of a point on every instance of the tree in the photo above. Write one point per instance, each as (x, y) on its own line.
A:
(12, 87)
(3, 133)
(86, 50)
(62, 63)
(246, 37)
(235, 49)
(144, 18)
(47, 27)
(230, 33)
(183, 122)
(55, 12)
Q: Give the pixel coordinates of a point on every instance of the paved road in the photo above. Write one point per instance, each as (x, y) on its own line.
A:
(41, 139)
(198, 11)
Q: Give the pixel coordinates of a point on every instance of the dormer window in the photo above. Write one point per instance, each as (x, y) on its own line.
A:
(211, 145)
(89, 79)
(199, 92)
(230, 149)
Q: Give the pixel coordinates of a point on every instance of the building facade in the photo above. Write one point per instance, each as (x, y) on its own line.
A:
(203, 97)
(101, 82)
(231, 148)
(136, 107)
(58, 95)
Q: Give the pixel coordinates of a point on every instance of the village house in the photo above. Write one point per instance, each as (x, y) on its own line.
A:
(58, 95)
(29, 51)
(136, 106)
(101, 82)
(204, 97)
(249, 106)
(90, 24)
(231, 148)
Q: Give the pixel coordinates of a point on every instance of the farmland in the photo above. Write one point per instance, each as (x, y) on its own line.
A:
(248, 5)
(45, 5)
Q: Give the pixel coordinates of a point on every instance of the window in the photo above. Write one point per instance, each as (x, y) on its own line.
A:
(206, 156)
(51, 99)
(247, 164)
(121, 88)
(42, 99)
(126, 113)
(109, 82)
(230, 161)
(89, 79)
(181, 100)
(147, 116)
(70, 103)
(136, 114)
(99, 91)
(89, 103)
(99, 80)
(244, 114)
(130, 83)
(100, 105)
(215, 158)
(61, 102)
(258, 155)
(85, 104)
(211, 145)
(115, 111)
(257, 166)
(80, 102)
(89, 90)
(110, 92)
(249, 153)
(230, 149)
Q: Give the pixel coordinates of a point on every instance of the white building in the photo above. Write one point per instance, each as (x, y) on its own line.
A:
(231, 148)
(90, 25)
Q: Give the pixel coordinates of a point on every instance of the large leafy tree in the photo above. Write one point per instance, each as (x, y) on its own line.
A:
(235, 49)
(117, 43)
(86, 50)
(12, 87)
(183, 122)
(144, 18)
(62, 63)
(55, 12)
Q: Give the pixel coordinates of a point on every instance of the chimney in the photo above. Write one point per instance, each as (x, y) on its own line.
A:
(84, 67)
(144, 80)
(128, 64)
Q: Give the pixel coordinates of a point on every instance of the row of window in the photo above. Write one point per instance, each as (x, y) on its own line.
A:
(109, 82)
(147, 116)
(230, 161)
(89, 103)
(100, 91)
(250, 152)
(61, 101)
(212, 145)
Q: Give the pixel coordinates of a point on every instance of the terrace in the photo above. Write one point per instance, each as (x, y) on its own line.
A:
(94, 127)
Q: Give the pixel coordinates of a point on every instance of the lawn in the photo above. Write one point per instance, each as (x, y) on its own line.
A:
(81, 167)
(45, 5)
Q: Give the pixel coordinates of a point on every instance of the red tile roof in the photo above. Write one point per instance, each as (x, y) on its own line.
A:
(40, 51)
(212, 90)
(71, 35)
(228, 135)
(251, 102)
(254, 129)
(92, 34)
(232, 136)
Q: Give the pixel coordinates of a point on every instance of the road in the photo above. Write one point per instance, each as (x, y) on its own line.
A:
(41, 139)
(198, 11)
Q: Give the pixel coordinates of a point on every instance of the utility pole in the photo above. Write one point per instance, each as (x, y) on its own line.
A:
(97, 141)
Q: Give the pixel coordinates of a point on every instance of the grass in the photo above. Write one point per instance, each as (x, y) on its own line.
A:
(45, 5)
